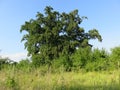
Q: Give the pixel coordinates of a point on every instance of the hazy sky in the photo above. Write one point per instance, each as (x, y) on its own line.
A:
(103, 15)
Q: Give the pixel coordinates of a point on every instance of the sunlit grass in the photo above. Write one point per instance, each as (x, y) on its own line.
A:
(40, 80)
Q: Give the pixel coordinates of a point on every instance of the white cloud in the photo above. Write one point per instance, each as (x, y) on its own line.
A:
(16, 56)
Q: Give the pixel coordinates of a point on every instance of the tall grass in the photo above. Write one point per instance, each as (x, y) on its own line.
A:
(41, 79)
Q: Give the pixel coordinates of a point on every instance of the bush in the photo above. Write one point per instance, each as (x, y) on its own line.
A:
(63, 62)
(37, 60)
(24, 65)
(81, 57)
(3, 62)
(115, 57)
(99, 60)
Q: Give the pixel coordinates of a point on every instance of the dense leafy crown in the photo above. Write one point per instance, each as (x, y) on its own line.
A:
(53, 34)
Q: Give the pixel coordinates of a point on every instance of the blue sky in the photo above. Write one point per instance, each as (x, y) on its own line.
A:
(103, 15)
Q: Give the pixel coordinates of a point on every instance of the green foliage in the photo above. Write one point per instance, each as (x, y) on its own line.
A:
(90, 60)
(24, 63)
(53, 34)
(99, 60)
(81, 57)
(86, 59)
(11, 83)
(63, 62)
(37, 60)
(115, 57)
(4, 62)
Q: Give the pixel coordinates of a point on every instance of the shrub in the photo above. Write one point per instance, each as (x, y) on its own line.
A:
(3, 62)
(99, 60)
(24, 65)
(81, 57)
(63, 62)
(115, 57)
(37, 60)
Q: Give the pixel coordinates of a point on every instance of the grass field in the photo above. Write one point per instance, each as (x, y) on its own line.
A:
(12, 79)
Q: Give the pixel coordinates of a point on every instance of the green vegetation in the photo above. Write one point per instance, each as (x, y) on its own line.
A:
(41, 79)
(53, 35)
(61, 57)
(90, 70)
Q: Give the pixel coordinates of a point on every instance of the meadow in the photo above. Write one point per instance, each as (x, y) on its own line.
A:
(41, 79)
(97, 70)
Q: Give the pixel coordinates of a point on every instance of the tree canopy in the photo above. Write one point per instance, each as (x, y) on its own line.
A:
(53, 34)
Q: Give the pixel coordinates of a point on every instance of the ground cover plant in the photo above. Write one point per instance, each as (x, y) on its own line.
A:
(41, 79)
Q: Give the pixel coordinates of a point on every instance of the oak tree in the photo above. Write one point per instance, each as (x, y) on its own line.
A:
(53, 34)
